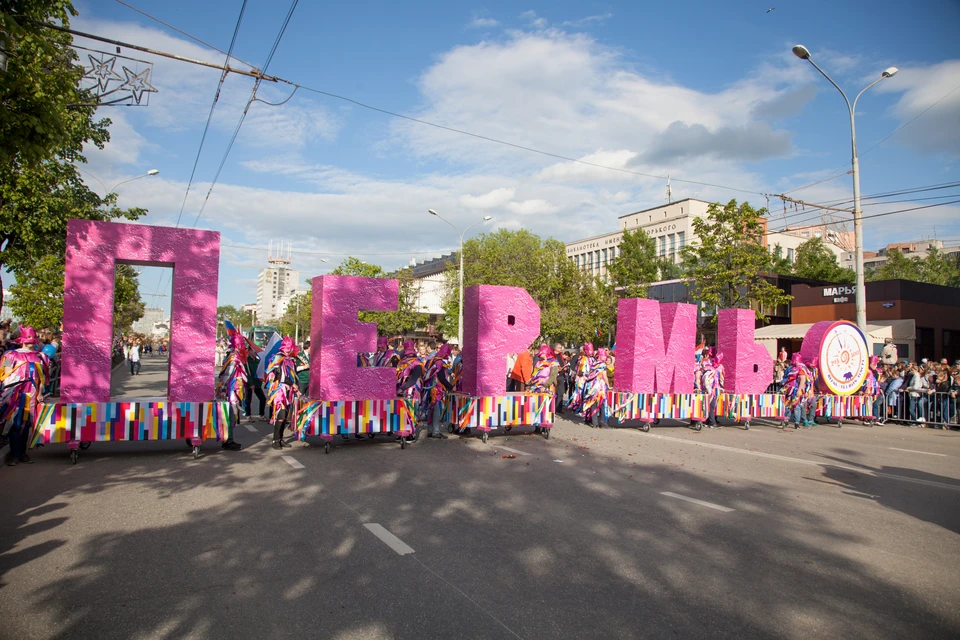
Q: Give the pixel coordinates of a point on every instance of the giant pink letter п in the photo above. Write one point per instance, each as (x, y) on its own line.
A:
(655, 346)
(337, 337)
(497, 321)
(749, 368)
(93, 249)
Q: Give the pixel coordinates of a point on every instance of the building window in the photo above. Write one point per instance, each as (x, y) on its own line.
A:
(680, 238)
(790, 256)
(604, 256)
(673, 243)
(805, 234)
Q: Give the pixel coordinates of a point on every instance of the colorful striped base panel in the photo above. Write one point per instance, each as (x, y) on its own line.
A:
(330, 418)
(845, 407)
(626, 405)
(129, 421)
(486, 413)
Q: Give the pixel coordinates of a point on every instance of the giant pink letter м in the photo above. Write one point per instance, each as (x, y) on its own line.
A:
(93, 249)
(749, 368)
(655, 346)
(497, 321)
(337, 337)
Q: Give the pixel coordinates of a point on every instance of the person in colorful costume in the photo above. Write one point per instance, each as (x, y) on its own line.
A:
(23, 376)
(800, 393)
(595, 387)
(384, 356)
(436, 384)
(410, 377)
(232, 382)
(585, 363)
(280, 384)
(872, 389)
(712, 378)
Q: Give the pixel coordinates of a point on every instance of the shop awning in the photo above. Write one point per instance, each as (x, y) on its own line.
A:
(899, 330)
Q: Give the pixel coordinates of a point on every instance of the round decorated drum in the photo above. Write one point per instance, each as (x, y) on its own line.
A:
(843, 355)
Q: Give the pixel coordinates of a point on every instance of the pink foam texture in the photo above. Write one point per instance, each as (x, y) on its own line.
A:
(655, 345)
(337, 335)
(748, 366)
(93, 249)
(497, 321)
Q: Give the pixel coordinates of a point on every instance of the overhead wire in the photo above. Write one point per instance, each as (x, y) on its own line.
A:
(246, 109)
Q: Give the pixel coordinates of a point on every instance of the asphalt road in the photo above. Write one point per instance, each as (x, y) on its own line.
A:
(849, 532)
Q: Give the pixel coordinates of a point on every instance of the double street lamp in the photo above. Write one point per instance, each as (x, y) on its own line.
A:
(861, 295)
(151, 172)
(460, 305)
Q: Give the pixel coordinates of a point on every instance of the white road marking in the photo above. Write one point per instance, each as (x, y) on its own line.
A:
(392, 541)
(926, 453)
(695, 501)
(292, 462)
(813, 463)
(250, 427)
(516, 451)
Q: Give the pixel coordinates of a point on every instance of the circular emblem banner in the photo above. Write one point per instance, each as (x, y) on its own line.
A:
(844, 355)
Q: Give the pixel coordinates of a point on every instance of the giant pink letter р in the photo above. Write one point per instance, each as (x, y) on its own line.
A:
(497, 321)
(655, 346)
(93, 249)
(749, 368)
(337, 336)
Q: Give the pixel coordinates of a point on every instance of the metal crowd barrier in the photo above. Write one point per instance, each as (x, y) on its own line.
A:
(937, 409)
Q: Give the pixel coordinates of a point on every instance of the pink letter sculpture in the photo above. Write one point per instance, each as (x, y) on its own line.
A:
(497, 321)
(337, 336)
(749, 368)
(93, 248)
(655, 346)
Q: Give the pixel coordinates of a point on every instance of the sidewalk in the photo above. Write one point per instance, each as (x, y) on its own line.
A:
(150, 384)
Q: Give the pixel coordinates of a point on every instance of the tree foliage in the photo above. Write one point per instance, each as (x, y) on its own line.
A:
(814, 260)
(389, 323)
(573, 307)
(934, 268)
(44, 126)
(637, 265)
(128, 306)
(726, 266)
(297, 315)
(237, 317)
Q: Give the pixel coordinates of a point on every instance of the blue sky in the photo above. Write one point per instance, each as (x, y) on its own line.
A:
(702, 91)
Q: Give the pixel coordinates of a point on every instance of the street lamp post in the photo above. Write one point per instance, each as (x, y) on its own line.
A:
(151, 172)
(460, 305)
(861, 294)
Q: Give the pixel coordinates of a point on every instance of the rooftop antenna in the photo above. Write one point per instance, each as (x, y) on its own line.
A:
(669, 191)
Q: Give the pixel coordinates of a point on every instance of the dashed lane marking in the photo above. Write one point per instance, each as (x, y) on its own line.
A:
(250, 427)
(702, 503)
(392, 541)
(926, 453)
(516, 451)
(293, 462)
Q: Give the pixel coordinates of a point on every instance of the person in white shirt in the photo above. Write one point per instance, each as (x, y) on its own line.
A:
(889, 353)
(134, 357)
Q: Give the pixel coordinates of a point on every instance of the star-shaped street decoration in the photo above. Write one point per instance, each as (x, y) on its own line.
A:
(138, 83)
(102, 71)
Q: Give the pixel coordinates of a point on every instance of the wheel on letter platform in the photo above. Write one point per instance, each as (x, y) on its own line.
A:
(196, 452)
(698, 426)
(484, 436)
(746, 426)
(507, 429)
(403, 442)
(839, 423)
(74, 456)
(85, 445)
(371, 436)
(645, 427)
(451, 428)
(326, 446)
(546, 434)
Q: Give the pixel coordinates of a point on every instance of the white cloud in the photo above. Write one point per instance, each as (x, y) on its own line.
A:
(938, 129)
(532, 207)
(479, 22)
(533, 20)
(589, 20)
(495, 198)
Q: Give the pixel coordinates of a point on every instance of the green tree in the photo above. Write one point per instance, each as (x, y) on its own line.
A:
(297, 315)
(637, 265)
(814, 260)
(389, 323)
(897, 267)
(728, 263)
(236, 316)
(937, 268)
(44, 125)
(572, 305)
(39, 91)
(128, 306)
(780, 263)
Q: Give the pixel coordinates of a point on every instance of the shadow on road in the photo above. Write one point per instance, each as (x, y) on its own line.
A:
(584, 548)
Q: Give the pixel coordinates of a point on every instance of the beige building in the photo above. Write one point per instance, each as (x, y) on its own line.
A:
(670, 226)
